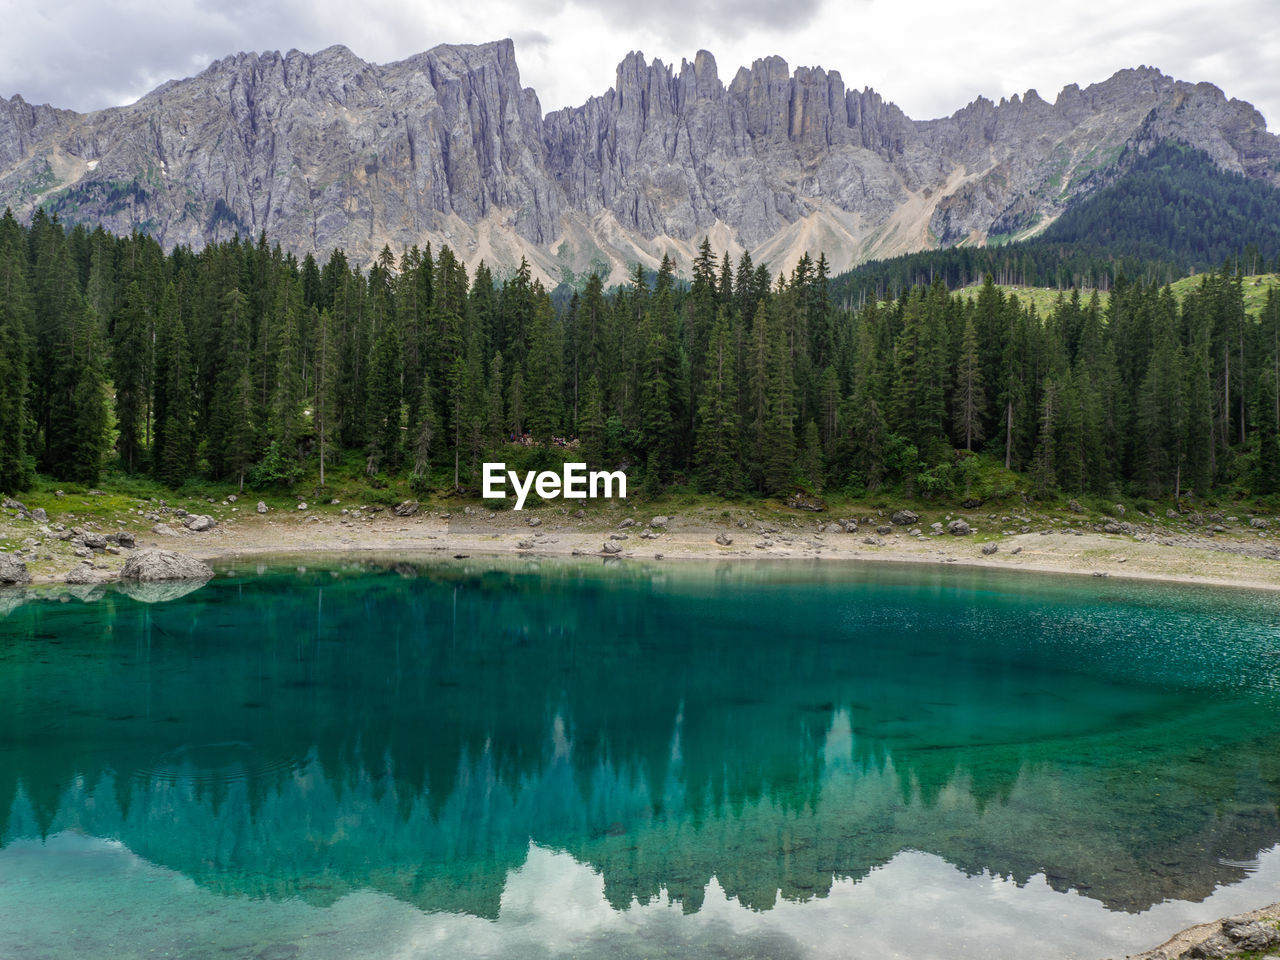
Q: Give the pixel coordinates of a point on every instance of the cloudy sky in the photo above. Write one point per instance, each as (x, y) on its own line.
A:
(929, 56)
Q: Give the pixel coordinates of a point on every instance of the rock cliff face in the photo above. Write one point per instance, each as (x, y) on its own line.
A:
(326, 150)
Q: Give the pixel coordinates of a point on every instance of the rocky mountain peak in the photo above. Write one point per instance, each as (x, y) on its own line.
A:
(326, 150)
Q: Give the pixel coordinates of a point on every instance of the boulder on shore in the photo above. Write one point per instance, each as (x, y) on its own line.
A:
(904, 518)
(958, 528)
(802, 501)
(155, 566)
(13, 570)
(80, 574)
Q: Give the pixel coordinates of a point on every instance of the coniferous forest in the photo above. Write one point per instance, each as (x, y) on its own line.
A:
(241, 364)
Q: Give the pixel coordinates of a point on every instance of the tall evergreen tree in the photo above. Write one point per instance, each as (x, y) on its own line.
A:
(16, 320)
(969, 403)
(717, 425)
(131, 376)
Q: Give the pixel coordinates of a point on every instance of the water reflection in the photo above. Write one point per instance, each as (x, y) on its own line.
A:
(242, 823)
(755, 736)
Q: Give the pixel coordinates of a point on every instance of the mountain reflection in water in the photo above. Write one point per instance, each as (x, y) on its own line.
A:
(760, 732)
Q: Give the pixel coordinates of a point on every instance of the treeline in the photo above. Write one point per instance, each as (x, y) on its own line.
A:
(240, 363)
(1172, 213)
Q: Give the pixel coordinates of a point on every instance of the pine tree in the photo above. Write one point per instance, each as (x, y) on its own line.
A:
(1161, 421)
(591, 425)
(1097, 382)
(131, 375)
(810, 461)
(545, 370)
(918, 400)
(322, 382)
(495, 419)
(1071, 467)
(384, 405)
(778, 457)
(426, 440)
(1266, 476)
(1044, 470)
(54, 372)
(829, 408)
(87, 440)
(232, 431)
(173, 450)
(15, 322)
(969, 402)
(717, 425)
(286, 403)
(516, 403)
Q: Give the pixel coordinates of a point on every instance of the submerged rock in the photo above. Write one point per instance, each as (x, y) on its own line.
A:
(159, 592)
(156, 566)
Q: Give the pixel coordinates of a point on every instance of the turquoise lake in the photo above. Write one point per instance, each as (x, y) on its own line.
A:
(519, 758)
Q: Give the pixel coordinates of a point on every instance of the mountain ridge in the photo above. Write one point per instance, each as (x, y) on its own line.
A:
(327, 150)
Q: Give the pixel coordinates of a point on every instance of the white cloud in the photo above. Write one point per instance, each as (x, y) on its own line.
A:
(929, 57)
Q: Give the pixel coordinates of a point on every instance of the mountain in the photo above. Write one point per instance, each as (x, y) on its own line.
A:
(1158, 216)
(326, 150)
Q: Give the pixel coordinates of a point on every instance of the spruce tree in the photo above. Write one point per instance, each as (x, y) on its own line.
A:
(591, 425)
(1266, 475)
(778, 456)
(322, 380)
(495, 420)
(1044, 469)
(716, 456)
(174, 448)
(969, 402)
(131, 376)
(15, 322)
(87, 440)
(384, 406)
(810, 460)
(545, 370)
(286, 404)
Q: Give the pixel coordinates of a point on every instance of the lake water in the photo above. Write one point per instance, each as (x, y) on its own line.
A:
(488, 758)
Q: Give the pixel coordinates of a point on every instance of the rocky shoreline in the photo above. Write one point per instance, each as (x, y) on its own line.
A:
(1240, 937)
(83, 544)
